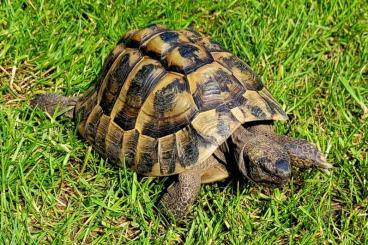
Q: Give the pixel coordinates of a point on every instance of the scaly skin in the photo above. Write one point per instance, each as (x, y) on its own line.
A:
(180, 195)
(303, 154)
(265, 157)
(52, 102)
(259, 158)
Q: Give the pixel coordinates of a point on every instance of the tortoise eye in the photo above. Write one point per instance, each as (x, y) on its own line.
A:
(282, 165)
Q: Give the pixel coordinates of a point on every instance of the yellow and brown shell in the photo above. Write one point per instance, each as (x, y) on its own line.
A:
(167, 99)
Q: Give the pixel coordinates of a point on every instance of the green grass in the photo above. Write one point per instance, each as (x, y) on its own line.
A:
(54, 189)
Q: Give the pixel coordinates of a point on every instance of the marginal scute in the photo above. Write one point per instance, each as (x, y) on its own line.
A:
(92, 123)
(101, 133)
(114, 141)
(214, 126)
(240, 70)
(168, 154)
(84, 107)
(146, 154)
(256, 108)
(129, 147)
(274, 108)
(187, 141)
(193, 147)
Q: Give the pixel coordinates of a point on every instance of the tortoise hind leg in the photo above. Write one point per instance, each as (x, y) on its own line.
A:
(54, 102)
(180, 195)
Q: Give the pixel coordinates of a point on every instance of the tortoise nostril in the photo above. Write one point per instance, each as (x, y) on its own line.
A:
(282, 165)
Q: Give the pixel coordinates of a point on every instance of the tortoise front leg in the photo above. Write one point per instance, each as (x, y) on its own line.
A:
(180, 195)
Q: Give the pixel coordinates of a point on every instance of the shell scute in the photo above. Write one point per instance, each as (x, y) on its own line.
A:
(168, 154)
(115, 79)
(114, 141)
(160, 44)
(212, 86)
(129, 147)
(136, 37)
(169, 108)
(141, 80)
(186, 58)
(146, 154)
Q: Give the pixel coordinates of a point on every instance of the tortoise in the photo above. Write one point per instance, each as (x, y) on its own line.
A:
(177, 103)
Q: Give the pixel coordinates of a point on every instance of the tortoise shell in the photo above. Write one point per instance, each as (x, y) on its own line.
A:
(167, 99)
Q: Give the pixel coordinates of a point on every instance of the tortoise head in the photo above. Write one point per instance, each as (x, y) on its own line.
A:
(263, 161)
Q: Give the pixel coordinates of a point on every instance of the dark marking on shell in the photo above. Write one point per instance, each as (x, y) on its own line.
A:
(190, 146)
(169, 36)
(148, 158)
(131, 43)
(223, 128)
(168, 158)
(165, 97)
(114, 144)
(146, 163)
(188, 52)
(141, 84)
(235, 102)
(125, 118)
(257, 111)
(158, 128)
(190, 155)
(101, 132)
(164, 102)
(132, 148)
(223, 108)
(92, 125)
(170, 39)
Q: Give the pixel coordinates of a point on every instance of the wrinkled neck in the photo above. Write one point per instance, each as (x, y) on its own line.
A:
(238, 143)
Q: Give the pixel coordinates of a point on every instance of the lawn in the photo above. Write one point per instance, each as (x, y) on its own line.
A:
(312, 55)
